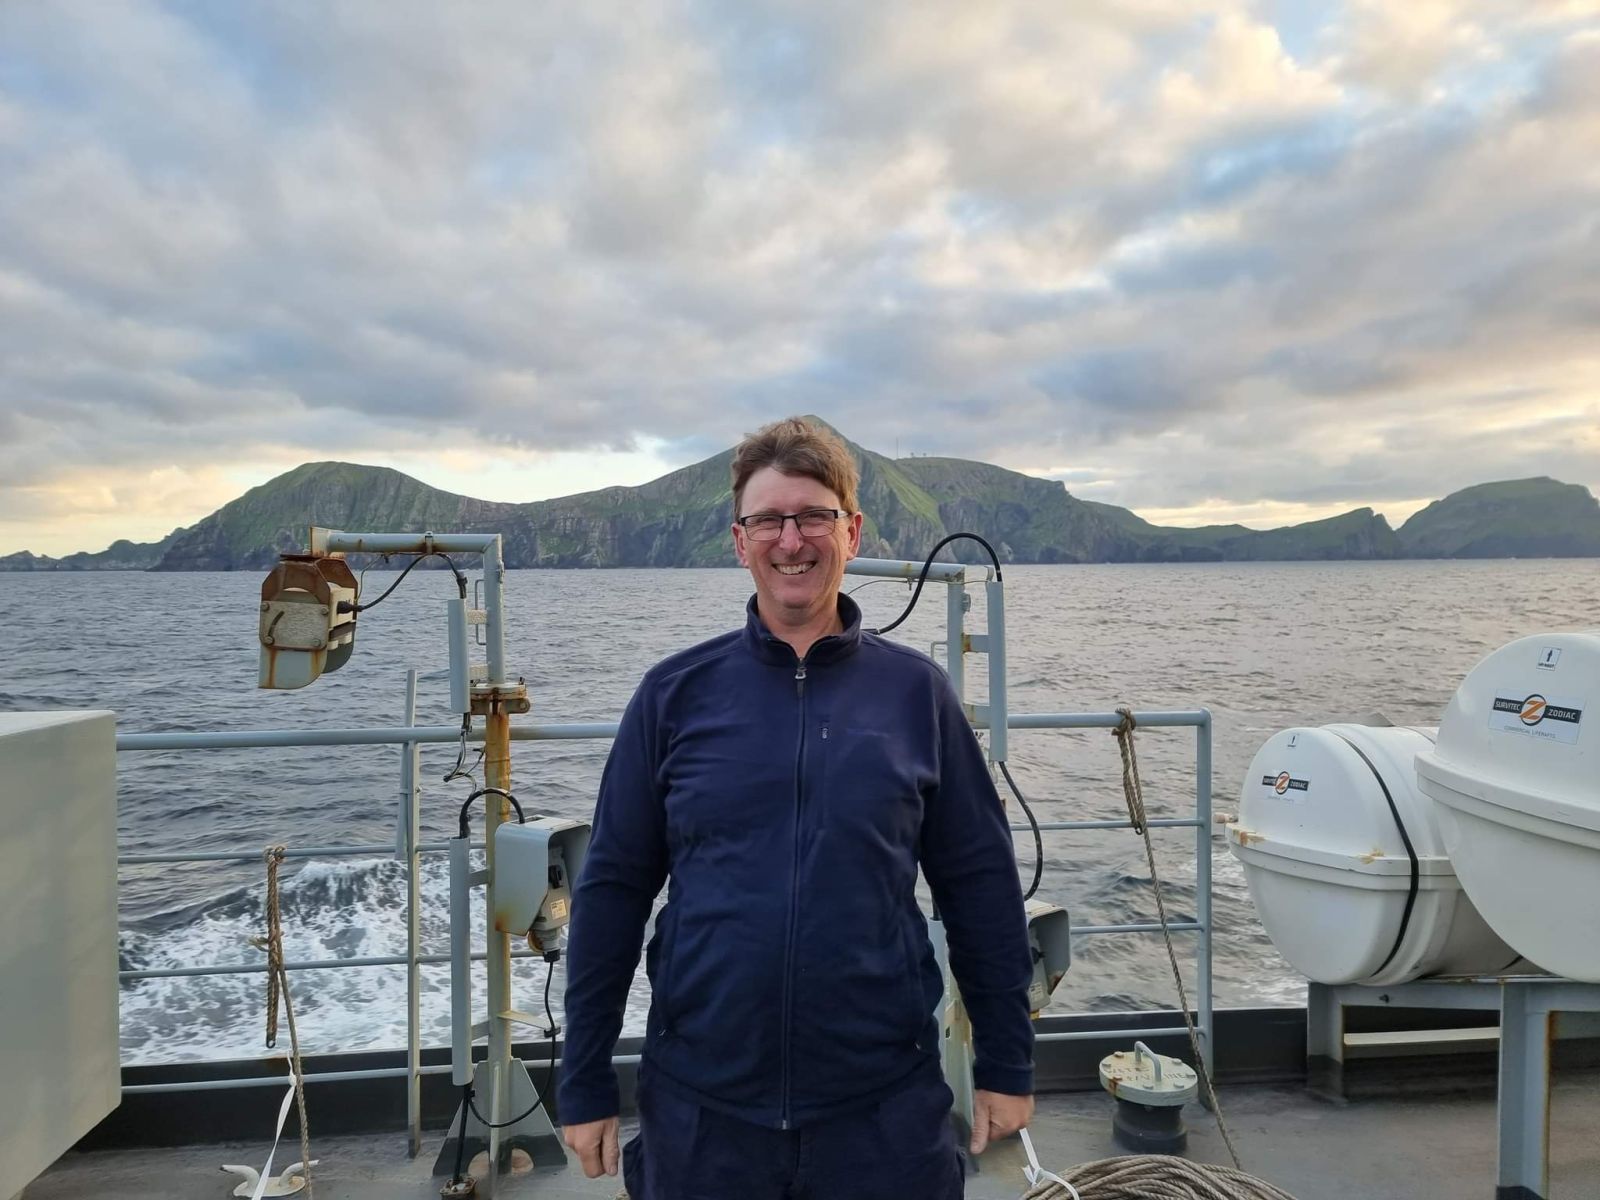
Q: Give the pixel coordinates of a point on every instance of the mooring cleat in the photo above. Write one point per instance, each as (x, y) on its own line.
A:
(290, 1182)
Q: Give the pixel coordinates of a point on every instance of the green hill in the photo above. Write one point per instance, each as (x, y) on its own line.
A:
(1519, 518)
(682, 519)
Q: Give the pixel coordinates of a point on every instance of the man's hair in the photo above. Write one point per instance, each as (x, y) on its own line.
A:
(794, 446)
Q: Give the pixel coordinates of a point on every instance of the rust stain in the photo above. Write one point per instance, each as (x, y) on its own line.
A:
(1372, 856)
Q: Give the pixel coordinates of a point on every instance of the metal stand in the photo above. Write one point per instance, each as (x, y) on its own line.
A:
(1534, 1011)
(535, 1135)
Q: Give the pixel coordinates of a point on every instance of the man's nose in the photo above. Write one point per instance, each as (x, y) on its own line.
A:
(790, 540)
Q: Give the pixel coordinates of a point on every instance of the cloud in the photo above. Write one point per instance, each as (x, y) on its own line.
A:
(1224, 262)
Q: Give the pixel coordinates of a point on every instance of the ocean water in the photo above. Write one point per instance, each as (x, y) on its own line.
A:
(1263, 646)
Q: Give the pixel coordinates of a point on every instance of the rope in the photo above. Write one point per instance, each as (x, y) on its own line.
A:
(1154, 1177)
(278, 987)
(1133, 793)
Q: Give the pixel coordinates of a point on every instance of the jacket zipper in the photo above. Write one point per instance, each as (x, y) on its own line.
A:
(794, 886)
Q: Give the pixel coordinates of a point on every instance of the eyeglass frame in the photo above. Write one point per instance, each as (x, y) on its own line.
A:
(743, 522)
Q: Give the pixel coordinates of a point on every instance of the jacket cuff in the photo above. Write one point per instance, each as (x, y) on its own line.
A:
(1008, 1081)
(591, 1102)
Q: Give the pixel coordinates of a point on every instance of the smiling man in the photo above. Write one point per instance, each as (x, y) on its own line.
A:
(786, 782)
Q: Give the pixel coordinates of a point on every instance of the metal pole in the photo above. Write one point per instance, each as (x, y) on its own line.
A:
(1202, 882)
(410, 798)
(1524, 1101)
(259, 738)
(497, 774)
(494, 602)
(999, 703)
(955, 633)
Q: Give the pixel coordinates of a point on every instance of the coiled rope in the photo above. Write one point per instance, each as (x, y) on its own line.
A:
(278, 988)
(1154, 1177)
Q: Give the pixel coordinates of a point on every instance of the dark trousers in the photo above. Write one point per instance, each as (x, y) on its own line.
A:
(901, 1146)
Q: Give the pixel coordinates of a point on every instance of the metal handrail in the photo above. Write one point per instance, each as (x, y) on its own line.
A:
(383, 851)
(412, 735)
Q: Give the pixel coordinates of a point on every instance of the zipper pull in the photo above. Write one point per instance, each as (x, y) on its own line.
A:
(800, 678)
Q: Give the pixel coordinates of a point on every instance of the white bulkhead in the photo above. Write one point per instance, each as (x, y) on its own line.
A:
(60, 1070)
(1346, 862)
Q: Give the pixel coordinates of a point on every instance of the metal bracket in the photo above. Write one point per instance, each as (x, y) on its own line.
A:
(510, 697)
(517, 1017)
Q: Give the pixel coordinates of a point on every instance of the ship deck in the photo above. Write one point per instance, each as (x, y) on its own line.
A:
(1436, 1145)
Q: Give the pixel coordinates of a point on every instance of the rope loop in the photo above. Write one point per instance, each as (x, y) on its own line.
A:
(1132, 789)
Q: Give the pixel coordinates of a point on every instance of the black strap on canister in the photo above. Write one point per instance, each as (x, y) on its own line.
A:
(1405, 838)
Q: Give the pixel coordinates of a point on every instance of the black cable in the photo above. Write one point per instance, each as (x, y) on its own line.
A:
(456, 772)
(550, 1071)
(1038, 839)
(466, 805)
(461, 580)
(928, 566)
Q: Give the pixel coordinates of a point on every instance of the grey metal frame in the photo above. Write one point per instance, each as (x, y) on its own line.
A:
(1535, 1011)
(410, 737)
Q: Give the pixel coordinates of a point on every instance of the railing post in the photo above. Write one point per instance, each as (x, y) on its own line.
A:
(1202, 887)
(410, 826)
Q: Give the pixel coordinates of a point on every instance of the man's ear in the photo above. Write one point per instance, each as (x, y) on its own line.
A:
(853, 536)
(738, 544)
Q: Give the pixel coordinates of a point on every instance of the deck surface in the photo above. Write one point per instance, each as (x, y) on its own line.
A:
(1440, 1148)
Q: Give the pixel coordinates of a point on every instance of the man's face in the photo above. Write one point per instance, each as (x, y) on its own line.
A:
(797, 578)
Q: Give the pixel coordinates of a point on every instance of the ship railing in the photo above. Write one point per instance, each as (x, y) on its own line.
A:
(410, 737)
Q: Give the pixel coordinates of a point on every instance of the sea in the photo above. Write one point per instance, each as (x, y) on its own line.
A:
(1264, 646)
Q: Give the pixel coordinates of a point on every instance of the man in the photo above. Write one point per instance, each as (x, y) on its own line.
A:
(785, 782)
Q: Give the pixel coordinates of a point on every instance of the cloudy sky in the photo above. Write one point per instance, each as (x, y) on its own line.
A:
(1231, 261)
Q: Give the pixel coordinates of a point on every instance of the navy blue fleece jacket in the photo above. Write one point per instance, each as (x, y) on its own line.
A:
(787, 806)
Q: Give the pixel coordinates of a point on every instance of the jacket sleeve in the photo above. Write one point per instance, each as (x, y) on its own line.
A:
(625, 868)
(971, 867)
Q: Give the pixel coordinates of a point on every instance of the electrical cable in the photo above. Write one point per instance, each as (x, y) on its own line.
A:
(456, 772)
(466, 805)
(1038, 840)
(928, 566)
(550, 1071)
(461, 580)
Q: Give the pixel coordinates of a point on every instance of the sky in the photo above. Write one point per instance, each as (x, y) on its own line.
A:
(1259, 262)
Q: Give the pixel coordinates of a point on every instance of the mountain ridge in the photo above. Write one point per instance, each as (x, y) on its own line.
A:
(681, 519)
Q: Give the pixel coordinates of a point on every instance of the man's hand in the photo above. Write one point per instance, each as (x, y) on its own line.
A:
(595, 1143)
(996, 1115)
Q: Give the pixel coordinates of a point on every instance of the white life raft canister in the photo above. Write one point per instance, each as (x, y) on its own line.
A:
(1516, 774)
(1346, 862)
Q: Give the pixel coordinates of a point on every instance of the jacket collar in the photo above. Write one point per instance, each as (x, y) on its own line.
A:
(770, 648)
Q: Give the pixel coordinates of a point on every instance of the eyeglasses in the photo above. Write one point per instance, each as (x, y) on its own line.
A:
(768, 527)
